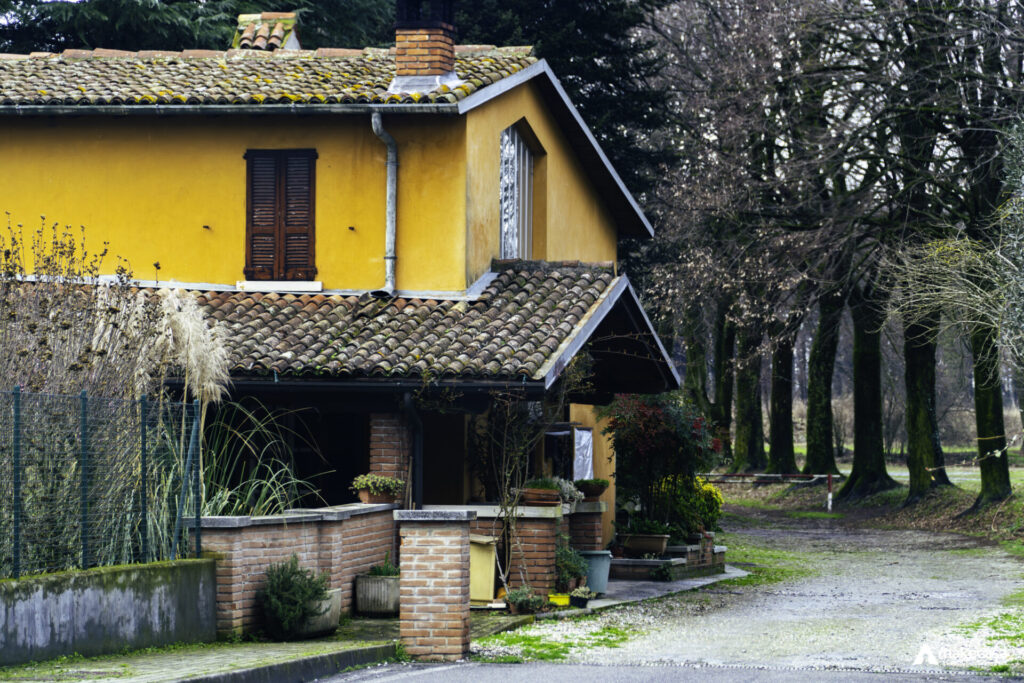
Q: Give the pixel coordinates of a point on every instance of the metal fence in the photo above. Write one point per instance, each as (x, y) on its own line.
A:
(88, 481)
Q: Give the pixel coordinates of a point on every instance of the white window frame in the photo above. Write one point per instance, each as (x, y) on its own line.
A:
(516, 196)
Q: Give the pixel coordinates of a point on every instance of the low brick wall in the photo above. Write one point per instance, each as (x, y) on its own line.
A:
(538, 529)
(434, 583)
(105, 610)
(341, 541)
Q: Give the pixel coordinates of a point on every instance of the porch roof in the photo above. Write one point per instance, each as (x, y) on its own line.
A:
(525, 327)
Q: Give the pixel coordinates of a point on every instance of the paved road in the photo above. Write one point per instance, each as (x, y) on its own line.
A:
(879, 600)
(583, 673)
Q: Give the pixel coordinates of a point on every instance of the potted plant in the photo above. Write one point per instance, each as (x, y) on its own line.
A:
(523, 600)
(376, 488)
(568, 493)
(377, 591)
(570, 566)
(592, 488)
(296, 603)
(644, 536)
(543, 491)
(581, 596)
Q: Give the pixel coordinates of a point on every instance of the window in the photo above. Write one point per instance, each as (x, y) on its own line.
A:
(280, 203)
(516, 196)
(583, 462)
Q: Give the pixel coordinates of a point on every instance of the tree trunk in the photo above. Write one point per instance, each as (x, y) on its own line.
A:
(695, 377)
(988, 415)
(748, 452)
(925, 461)
(820, 453)
(725, 343)
(781, 457)
(869, 474)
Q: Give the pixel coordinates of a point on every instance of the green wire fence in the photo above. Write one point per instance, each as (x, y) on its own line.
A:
(90, 481)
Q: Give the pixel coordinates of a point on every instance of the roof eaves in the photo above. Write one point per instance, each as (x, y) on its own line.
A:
(551, 370)
(221, 109)
(642, 226)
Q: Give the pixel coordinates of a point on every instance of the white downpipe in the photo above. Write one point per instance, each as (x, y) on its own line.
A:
(391, 207)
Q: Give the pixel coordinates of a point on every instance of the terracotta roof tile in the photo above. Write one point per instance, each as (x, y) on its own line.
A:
(503, 335)
(88, 77)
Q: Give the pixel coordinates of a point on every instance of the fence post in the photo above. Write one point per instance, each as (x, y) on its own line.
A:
(196, 462)
(16, 394)
(144, 512)
(83, 466)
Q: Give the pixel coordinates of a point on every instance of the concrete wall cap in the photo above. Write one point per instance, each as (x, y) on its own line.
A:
(494, 512)
(336, 513)
(592, 506)
(435, 515)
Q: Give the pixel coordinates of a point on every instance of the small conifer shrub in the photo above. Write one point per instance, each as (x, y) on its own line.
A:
(291, 597)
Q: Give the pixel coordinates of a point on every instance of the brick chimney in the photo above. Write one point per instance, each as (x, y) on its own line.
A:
(424, 45)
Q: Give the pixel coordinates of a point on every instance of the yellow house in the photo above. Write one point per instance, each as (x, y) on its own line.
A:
(366, 225)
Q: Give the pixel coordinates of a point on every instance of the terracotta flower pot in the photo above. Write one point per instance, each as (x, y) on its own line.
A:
(540, 497)
(366, 497)
(592, 491)
(643, 544)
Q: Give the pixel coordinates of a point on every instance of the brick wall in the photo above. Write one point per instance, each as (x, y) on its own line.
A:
(390, 446)
(535, 553)
(428, 51)
(434, 584)
(586, 531)
(342, 541)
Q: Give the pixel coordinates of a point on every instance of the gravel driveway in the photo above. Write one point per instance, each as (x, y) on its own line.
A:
(879, 601)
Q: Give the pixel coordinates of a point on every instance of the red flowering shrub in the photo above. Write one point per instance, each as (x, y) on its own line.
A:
(660, 442)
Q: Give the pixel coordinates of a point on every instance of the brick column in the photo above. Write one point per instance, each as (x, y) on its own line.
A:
(586, 528)
(535, 552)
(434, 585)
(390, 446)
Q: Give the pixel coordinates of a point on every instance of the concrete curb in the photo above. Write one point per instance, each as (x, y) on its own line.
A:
(303, 669)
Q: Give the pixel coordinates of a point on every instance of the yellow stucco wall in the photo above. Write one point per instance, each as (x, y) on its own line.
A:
(604, 460)
(570, 219)
(148, 185)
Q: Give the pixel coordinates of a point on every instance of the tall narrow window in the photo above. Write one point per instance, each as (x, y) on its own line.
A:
(516, 196)
(280, 226)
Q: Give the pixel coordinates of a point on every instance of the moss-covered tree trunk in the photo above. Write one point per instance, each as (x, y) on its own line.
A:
(748, 450)
(821, 457)
(781, 455)
(988, 416)
(695, 378)
(869, 474)
(725, 343)
(925, 461)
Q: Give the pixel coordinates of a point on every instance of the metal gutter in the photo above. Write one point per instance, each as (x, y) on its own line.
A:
(220, 109)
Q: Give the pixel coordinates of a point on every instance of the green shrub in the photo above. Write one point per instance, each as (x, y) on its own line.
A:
(525, 600)
(385, 568)
(593, 482)
(569, 565)
(377, 484)
(698, 507)
(291, 597)
(638, 524)
(546, 483)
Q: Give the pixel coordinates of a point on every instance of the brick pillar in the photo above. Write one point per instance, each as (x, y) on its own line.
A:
(390, 446)
(586, 526)
(434, 586)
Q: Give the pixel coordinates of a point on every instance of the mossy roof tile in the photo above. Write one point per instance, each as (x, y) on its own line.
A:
(349, 336)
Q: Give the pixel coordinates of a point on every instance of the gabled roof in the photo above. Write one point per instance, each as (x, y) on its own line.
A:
(524, 328)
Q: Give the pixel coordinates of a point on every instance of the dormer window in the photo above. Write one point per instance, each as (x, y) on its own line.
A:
(516, 196)
(280, 210)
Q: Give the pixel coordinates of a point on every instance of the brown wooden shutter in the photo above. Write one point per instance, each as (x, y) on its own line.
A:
(280, 215)
(298, 213)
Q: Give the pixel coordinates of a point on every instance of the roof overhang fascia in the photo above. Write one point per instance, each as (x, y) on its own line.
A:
(622, 203)
(620, 293)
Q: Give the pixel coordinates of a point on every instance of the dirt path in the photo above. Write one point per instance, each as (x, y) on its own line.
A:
(878, 601)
